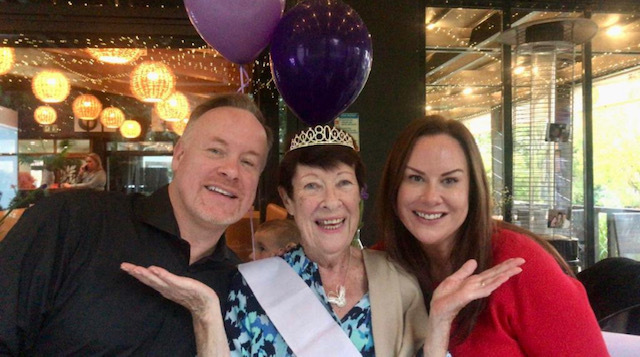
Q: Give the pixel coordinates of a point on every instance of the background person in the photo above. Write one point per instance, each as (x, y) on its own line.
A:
(63, 292)
(274, 237)
(370, 298)
(26, 181)
(91, 174)
(434, 211)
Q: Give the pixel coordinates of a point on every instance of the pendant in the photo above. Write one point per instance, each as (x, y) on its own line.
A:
(339, 299)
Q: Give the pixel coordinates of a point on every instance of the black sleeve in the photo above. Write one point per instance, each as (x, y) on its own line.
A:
(31, 268)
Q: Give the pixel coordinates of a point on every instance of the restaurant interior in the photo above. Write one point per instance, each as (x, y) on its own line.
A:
(72, 81)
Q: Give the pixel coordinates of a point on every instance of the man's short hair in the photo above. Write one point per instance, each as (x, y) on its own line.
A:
(234, 100)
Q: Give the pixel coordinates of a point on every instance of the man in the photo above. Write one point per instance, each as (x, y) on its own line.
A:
(61, 288)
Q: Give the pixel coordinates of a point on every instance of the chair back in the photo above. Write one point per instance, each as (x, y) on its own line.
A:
(613, 288)
(11, 219)
(624, 234)
(275, 211)
(624, 321)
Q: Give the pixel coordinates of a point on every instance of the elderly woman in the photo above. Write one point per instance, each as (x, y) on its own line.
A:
(435, 215)
(325, 297)
(91, 174)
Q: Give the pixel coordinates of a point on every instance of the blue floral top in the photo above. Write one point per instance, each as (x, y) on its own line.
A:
(251, 332)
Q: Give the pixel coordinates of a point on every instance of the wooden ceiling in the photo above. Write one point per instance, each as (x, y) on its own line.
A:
(55, 35)
(199, 72)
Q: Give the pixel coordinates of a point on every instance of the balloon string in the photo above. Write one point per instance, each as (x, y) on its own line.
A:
(244, 79)
(253, 236)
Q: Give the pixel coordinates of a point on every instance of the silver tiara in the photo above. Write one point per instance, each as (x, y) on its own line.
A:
(321, 135)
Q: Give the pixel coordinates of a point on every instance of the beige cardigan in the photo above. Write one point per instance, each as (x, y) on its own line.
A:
(398, 314)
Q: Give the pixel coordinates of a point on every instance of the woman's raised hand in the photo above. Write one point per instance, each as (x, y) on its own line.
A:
(455, 292)
(461, 287)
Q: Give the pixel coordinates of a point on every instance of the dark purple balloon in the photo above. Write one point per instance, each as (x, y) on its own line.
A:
(238, 29)
(320, 59)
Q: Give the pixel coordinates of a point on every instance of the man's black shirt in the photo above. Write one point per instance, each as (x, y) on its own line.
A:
(62, 291)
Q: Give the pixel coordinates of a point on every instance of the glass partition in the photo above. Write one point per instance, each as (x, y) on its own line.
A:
(50, 162)
(138, 173)
(616, 103)
(142, 166)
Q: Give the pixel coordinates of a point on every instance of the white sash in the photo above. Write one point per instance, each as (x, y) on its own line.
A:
(302, 320)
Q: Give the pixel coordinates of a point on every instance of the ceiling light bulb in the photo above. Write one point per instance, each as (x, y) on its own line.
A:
(614, 31)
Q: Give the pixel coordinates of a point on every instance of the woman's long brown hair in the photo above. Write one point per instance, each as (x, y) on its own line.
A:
(473, 240)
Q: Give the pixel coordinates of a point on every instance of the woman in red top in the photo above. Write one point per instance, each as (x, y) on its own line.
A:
(435, 215)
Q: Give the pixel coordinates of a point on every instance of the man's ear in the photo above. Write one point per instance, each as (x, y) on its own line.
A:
(178, 152)
(288, 203)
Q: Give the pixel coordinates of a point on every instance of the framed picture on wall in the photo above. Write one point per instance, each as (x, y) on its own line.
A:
(557, 132)
(557, 218)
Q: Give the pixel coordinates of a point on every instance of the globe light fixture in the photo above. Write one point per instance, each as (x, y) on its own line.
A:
(179, 126)
(86, 107)
(45, 115)
(116, 55)
(152, 82)
(7, 59)
(50, 86)
(174, 108)
(112, 117)
(130, 129)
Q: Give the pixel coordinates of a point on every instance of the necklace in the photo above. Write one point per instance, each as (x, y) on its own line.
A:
(339, 296)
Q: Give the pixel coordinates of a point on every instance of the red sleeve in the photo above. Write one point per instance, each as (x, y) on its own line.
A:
(550, 314)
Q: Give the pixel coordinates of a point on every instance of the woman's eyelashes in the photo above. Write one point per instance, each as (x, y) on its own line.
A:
(345, 183)
(450, 180)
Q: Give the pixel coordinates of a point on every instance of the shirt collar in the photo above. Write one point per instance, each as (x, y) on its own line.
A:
(157, 211)
(222, 253)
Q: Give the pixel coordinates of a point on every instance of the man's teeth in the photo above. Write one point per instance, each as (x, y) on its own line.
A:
(221, 191)
(331, 223)
(429, 216)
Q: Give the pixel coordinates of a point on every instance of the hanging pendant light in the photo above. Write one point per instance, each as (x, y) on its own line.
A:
(7, 59)
(179, 126)
(152, 82)
(45, 115)
(86, 107)
(112, 117)
(116, 55)
(174, 108)
(50, 86)
(130, 129)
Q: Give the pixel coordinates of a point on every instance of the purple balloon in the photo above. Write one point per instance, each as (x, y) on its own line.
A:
(320, 59)
(238, 29)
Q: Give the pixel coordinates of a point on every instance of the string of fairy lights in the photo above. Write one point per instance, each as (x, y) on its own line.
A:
(199, 66)
(206, 60)
(462, 85)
